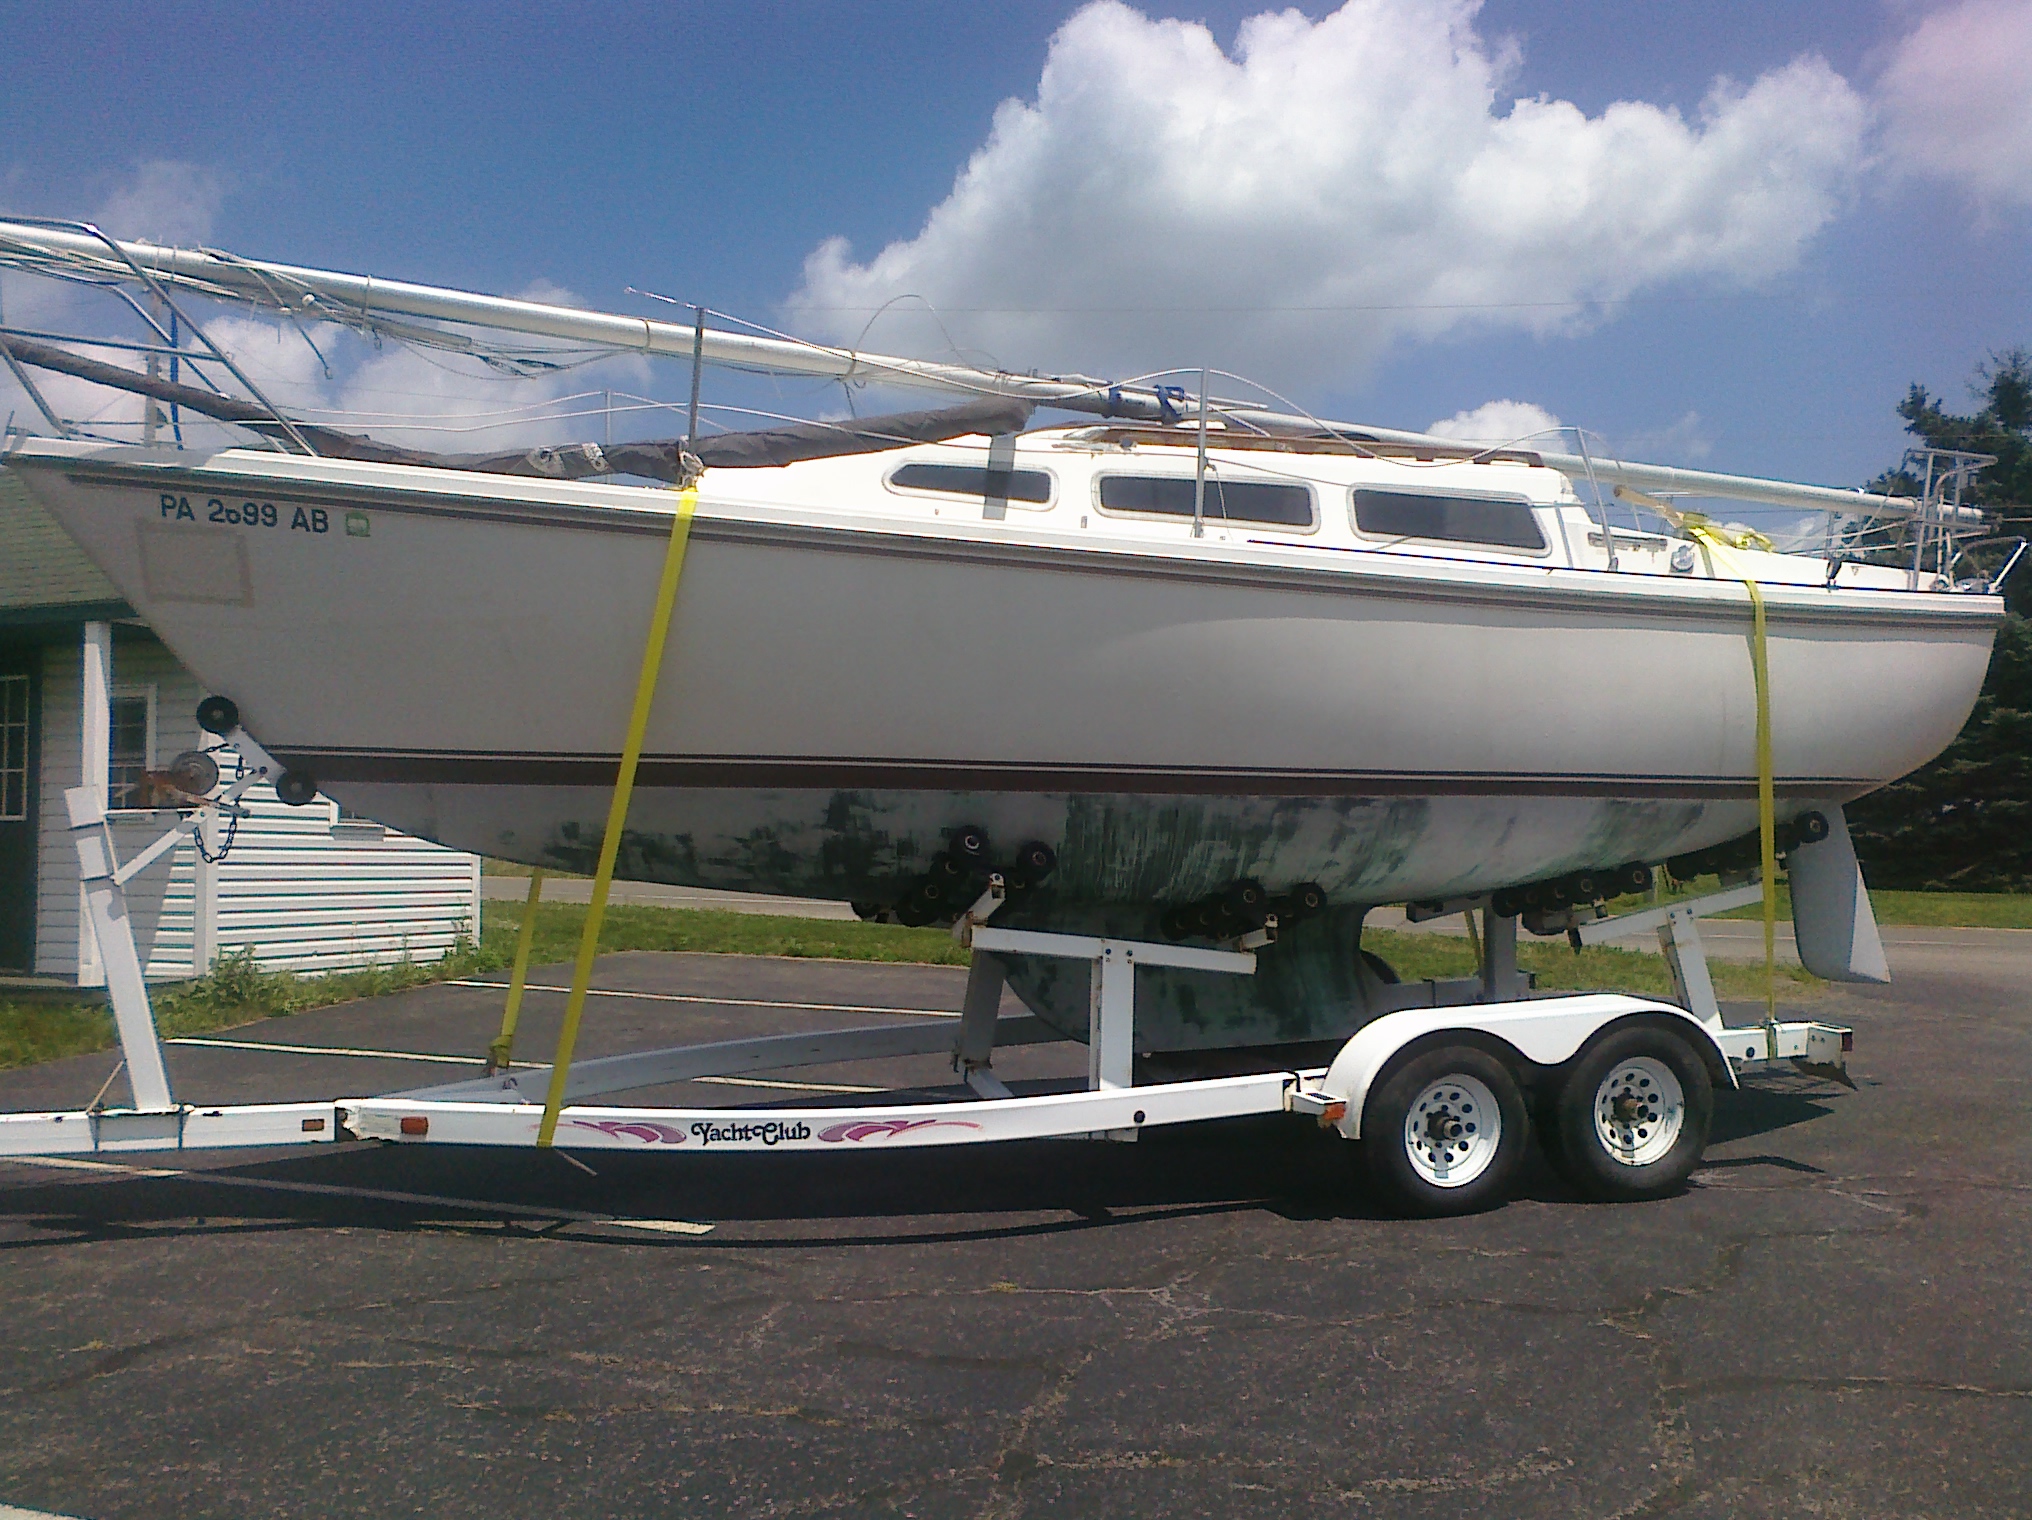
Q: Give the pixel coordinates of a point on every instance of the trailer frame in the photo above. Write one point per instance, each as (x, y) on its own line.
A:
(505, 1108)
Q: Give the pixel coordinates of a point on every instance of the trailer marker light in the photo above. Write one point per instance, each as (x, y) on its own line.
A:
(313, 1126)
(1848, 1041)
(415, 1124)
(1331, 1114)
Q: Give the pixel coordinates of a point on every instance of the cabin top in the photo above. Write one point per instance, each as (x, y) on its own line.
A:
(1143, 484)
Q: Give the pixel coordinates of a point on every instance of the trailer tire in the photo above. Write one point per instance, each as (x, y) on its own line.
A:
(1427, 1141)
(1632, 1117)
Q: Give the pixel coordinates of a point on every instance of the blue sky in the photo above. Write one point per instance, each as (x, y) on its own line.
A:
(710, 151)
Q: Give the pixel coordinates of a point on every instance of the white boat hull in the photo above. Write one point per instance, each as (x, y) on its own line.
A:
(840, 693)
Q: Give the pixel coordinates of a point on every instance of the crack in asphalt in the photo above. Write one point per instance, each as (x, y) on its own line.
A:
(1752, 1382)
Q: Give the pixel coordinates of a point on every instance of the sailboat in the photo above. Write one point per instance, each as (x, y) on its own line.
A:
(1175, 664)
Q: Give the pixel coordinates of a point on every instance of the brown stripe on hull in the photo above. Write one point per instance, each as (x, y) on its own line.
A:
(764, 773)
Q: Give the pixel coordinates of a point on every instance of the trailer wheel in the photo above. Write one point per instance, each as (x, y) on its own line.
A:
(1632, 1118)
(1445, 1132)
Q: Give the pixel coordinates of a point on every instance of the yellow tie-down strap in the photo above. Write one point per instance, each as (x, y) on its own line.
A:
(1722, 547)
(617, 809)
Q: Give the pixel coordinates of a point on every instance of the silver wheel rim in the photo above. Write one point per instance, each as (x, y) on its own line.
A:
(1640, 1111)
(1453, 1131)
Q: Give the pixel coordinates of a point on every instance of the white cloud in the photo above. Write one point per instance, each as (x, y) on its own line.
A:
(1500, 422)
(277, 355)
(401, 394)
(1684, 442)
(419, 398)
(459, 405)
(1328, 188)
(28, 300)
(1956, 98)
(164, 201)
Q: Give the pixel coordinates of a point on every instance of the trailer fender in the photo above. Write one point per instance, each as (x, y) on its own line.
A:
(1543, 1031)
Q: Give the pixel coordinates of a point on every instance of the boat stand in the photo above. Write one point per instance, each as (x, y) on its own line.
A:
(507, 1108)
(1820, 1048)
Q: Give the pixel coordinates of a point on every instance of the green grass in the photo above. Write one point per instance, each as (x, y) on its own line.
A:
(627, 927)
(1968, 910)
(238, 992)
(489, 866)
(1965, 910)
(1598, 968)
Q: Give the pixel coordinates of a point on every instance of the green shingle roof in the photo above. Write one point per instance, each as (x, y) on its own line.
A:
(40, 566)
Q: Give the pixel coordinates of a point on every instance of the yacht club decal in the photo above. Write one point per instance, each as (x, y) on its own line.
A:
(872, 1129)
(768, 1131)
(645, 1130)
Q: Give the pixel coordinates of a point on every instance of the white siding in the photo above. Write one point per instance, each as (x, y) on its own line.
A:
(162, 899)
(56, 861)
(304, 895)
(308, 901)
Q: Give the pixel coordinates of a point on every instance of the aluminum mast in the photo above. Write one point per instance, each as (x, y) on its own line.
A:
(326, 295)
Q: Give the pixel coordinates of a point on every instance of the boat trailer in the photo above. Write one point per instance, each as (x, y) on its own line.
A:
(1441, 1096)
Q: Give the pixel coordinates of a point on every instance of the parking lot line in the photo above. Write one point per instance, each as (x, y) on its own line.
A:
(336, 1050)
(433, 1056)
(723, 1002)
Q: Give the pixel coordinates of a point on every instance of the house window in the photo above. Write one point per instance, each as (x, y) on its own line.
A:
(130, 753)
(13, 749)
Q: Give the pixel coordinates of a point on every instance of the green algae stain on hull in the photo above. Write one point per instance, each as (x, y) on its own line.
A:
(1122, 859)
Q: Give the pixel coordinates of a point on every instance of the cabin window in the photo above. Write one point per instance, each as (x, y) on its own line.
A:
(1251, 501)
(1033, 486)
(130, 751)
(1490, 521)
(13, 749)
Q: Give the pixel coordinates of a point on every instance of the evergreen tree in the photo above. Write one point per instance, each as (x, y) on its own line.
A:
(1964, 821)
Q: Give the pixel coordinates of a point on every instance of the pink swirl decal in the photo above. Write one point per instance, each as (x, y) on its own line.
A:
(635, 1129)
(871, 1129)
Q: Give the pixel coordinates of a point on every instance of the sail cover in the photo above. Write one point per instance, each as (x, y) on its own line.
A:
(654, 459)
(660, 459)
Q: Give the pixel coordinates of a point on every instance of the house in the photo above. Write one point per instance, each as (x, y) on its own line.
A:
(89, 696)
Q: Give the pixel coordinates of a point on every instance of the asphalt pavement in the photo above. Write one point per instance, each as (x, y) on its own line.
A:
(1833, 1320)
